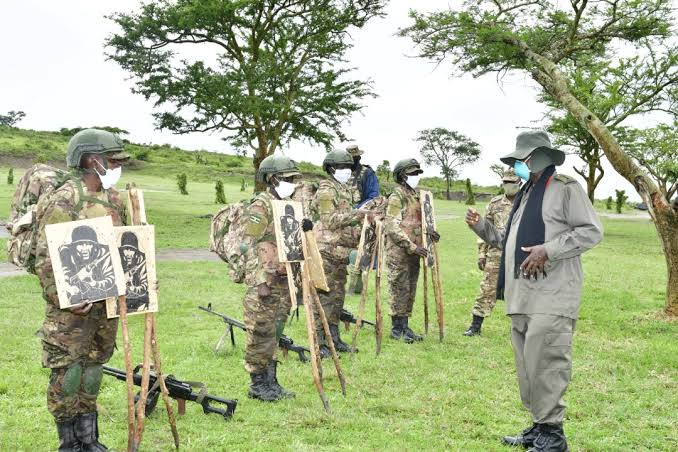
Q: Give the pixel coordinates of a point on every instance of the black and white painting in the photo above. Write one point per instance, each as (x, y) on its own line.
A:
(428, 224)
(84, 260)
(368, 241)
(136, 248)
(288, 216)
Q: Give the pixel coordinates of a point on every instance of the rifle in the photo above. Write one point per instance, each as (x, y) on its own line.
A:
(285, 343)
(347, 318)
(179, 390)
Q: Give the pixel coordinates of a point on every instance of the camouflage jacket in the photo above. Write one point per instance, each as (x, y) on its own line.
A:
(403, 218)
(260, 233)
(338, 226)
(72, 201)
(497, 213)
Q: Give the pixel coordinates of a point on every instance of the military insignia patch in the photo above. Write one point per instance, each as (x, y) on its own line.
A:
(255, 219)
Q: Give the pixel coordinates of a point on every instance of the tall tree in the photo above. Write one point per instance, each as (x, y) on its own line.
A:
(448, 150)
(272, 70)
(384, 170)
(498, 169)
(547, 40)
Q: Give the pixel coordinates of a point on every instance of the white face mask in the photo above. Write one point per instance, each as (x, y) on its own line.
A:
(342, 175)
(110, 176)
(413, 181)
(285, 189)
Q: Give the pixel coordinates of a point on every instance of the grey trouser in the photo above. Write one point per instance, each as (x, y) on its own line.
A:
(542, 345)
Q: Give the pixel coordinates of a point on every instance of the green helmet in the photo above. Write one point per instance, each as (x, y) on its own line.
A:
(334, 158)
(93, 141)
(276, 164)
(405, 166)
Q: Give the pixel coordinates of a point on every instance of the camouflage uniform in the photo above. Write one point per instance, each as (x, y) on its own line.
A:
(265, 317)
(497, 213)
(355, 182)
(337, 231)
(74, 346)
(403, 232)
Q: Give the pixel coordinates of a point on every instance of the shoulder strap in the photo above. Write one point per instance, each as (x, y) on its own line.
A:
(82, 199)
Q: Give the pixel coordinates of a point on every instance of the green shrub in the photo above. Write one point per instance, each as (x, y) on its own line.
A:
(10, 177)
(41, 158)
(243, 185)
(470, 197)
(621, 199)
(182, 182)
(608, 203)
(220, 196)
(142, 154)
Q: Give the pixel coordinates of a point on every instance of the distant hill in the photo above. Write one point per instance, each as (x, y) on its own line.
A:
(23, 147)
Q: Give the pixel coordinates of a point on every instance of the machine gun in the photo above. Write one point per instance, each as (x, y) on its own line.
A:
(349, 318)
(285, 343)
(179, 390)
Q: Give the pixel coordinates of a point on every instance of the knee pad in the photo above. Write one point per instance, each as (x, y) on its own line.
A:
(91, 379)
(72, 379)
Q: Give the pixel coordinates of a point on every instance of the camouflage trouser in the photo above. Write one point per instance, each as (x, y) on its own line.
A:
(333, 301)
(403, 274)
(487, 297)
(265, 320)
(74, 347)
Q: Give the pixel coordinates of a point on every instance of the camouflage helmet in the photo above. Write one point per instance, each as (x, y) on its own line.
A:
(93, 141)
(405, 166)
(335, 158)
(510, 176)
(276, 164)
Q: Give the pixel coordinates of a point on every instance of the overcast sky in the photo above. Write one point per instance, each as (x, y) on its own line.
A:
(54, 69)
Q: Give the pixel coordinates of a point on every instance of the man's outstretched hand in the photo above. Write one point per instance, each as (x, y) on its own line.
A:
(472, 217)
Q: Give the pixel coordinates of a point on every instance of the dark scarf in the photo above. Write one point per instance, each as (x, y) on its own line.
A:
(530, 229)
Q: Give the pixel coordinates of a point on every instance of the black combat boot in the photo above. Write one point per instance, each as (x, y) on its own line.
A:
(272, 374)
(87, 432)
(409, 335)
(325, 351)
(551, 438)
(474, 329)
(396, 328)
(260, 388)
(339, 345)
(68, 442)
(525, 438)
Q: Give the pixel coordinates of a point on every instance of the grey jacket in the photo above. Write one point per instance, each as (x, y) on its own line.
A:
(571, 227)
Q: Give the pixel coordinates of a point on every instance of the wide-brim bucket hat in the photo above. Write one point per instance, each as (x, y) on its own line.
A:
(528, 142)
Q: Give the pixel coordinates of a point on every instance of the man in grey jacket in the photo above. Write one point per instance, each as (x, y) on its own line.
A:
(551, 224)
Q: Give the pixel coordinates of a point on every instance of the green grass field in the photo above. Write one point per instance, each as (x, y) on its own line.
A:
(457, 395)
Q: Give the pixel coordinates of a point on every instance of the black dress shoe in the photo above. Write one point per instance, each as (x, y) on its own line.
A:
(551, 438)
(525, 438)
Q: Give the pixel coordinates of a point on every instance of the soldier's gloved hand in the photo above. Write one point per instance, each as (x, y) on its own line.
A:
(306, 225)
(421, 252)
(435, 236)
(81, 309)
(263, 290)
(481, 263)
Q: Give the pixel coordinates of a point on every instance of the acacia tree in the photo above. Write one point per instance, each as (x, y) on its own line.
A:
(498, 169)
(11, 118)
(274, 71)
(448, 150)
(384, 170)
(546, 40)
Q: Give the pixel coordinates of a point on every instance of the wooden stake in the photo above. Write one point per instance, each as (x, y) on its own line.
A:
(145, 377)
(378, 317)
(163, 387)
(423, 263)
(316, 367)
(127, 350)
(363, 296)
(328, 338)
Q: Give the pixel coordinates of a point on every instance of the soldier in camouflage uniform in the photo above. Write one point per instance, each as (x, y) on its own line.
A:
(337, 232)
(76, 342)
(497, 212)
(404, 249)
(267, 301)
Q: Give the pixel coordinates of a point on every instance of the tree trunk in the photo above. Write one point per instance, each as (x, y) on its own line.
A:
(447, 179)
(261, 154)
(664, 216)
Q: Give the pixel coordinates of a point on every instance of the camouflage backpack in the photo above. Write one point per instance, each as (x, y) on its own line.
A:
(38, 182)
(226, 239)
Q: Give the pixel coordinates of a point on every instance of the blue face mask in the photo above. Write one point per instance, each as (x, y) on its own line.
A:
(521, 169)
